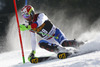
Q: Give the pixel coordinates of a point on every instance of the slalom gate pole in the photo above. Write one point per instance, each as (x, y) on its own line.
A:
(19, 31)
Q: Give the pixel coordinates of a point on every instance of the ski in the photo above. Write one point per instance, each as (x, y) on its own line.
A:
(62, 55)
(39, 59)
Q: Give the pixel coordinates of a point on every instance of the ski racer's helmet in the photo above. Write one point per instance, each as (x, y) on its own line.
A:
(27, 11)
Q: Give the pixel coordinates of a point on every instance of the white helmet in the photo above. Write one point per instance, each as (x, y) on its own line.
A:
(27, 11)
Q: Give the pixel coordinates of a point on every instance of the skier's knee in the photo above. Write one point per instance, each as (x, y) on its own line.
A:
(42, 43)
(68, 43)
(46, 45)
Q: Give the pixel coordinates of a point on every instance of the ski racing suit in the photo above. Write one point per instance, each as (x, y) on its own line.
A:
(41, 23)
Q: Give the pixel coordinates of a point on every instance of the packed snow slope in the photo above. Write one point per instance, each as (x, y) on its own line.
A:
(13, 59)
(89, 56)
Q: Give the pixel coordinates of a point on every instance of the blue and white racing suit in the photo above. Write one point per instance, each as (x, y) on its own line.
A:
(42, 24)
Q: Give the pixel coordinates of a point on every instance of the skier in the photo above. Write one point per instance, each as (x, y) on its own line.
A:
(40, 24)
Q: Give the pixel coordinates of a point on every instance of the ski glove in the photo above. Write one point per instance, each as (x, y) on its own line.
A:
(23, 27)
(32, 55)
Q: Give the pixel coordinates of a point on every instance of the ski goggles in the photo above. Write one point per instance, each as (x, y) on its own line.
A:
(26, 15)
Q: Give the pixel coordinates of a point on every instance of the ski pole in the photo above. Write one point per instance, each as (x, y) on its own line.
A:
(47, 35)
(25, 2)
(29, 28)
(44, 33)
(19, 31)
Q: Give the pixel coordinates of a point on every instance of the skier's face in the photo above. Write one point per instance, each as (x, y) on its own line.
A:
(29, 19)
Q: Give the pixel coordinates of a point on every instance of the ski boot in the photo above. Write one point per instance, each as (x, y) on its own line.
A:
(35, 60)
(63, 53)
(32, 55)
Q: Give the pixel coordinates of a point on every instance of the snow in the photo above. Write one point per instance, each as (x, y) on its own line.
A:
(88, 56)
(14, 59)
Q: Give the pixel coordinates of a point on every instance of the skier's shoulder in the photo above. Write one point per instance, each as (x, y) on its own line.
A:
(41, 14)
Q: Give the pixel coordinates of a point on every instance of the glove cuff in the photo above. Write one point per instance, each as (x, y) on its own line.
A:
(33, 51)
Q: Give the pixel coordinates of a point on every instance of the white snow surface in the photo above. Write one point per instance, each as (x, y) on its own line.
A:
(14, 59)
(89, 56)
